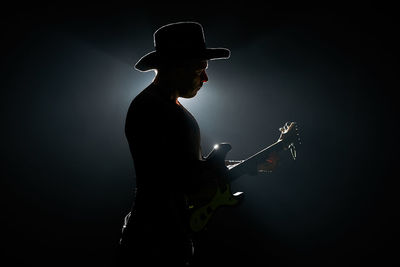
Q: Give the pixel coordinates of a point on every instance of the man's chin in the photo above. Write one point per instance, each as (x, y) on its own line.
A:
(191, 94)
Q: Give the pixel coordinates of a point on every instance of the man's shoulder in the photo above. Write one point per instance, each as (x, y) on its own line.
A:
(149, 103)
(146, 96)
(149, 98)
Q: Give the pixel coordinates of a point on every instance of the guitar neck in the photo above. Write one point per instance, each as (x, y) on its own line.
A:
(250, 164)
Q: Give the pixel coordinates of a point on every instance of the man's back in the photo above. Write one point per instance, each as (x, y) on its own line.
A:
(164, 140)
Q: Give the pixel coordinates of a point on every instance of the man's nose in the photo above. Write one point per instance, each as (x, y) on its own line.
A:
(204, 77)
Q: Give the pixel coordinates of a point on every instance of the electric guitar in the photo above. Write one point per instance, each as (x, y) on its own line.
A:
(203, 205)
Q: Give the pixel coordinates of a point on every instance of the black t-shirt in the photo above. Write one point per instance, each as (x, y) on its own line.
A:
(164, 140)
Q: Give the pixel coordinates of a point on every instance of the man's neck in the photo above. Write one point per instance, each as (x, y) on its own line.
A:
(167, 88)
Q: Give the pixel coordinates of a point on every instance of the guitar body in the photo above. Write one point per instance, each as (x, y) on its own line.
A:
(202, 208)
(216, 191)
(201, 216)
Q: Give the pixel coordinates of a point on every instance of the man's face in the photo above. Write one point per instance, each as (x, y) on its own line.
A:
(190, 78)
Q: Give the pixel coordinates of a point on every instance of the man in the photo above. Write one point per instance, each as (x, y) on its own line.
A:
(164, 140)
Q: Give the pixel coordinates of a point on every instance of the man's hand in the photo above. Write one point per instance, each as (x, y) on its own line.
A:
(269, 165)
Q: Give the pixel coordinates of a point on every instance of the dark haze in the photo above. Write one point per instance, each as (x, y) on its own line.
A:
(67, 81)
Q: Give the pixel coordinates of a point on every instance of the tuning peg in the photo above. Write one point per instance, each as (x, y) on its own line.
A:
(292, 149)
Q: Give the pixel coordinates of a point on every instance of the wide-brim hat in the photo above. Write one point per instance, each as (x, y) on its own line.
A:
(178, 42)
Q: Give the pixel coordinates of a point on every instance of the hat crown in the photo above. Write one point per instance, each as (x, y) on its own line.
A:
(181, 36)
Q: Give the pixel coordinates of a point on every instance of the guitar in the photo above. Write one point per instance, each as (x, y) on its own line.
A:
(202, 207)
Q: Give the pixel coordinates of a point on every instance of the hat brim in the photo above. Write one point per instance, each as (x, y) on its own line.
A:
(152, 60)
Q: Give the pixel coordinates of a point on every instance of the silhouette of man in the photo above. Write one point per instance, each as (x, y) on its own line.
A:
(164, 140)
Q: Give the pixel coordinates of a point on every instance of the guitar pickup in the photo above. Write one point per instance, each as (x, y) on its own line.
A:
(232, 163)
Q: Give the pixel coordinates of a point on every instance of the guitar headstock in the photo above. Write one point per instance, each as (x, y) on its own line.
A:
(290, 137)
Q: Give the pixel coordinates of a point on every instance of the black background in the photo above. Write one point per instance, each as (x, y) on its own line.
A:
(67, 82)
